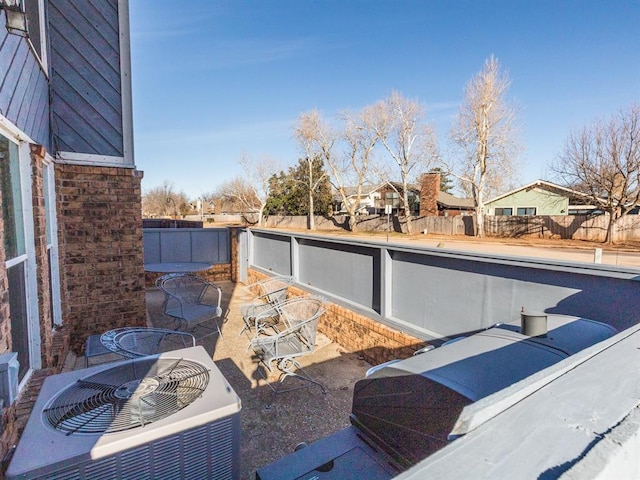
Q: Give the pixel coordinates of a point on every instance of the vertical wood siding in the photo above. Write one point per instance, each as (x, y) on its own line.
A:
(24, 87)
(85, 76)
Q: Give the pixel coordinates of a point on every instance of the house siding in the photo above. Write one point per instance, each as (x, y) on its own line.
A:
(86, 77)
(98, 207)
(546, 202)
(23, 87)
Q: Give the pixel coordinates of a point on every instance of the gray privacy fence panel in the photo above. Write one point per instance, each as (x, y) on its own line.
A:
(272, 252)
(435, 293)
(351, 271)
(451, 295)
(165, 245)
(210, 246)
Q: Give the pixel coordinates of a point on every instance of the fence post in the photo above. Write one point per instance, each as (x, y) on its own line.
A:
(597, 255)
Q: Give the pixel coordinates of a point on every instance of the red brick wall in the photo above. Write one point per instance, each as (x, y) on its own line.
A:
(9, 429)
(42, 257)
(100, 240)
(429, 188)
(5, 324)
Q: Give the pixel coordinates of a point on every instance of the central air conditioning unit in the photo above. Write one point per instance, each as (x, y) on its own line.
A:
(171, 415)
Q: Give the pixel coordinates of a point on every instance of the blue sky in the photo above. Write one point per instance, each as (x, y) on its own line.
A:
(215, 79)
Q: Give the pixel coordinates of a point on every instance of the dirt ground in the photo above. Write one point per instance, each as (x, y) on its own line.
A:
(304, 415)
(307, 415)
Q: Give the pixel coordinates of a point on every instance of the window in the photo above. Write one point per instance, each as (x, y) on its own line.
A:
(35, 25)
(526, 211)
(393, 199)
(19, 253)
(504, 211)
(52, 243)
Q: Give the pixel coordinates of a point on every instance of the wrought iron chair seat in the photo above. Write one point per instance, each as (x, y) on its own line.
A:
(282, 349)
(260, 298)
(192, 301)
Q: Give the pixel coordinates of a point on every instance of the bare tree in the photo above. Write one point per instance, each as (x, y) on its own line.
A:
(487, 136)
(306, 133)
(352, 167)
(164, 201)
(251, 189)
(346, 151)
(398, 123)
(603, 161)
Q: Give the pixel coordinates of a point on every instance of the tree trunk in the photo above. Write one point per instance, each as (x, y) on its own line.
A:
(480, 203)
(353, 223)
(260, 216)
(407, 209)
(609, 237)
(312, 220)
(479, 223)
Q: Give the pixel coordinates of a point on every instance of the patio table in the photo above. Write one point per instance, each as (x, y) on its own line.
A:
(134, 342)
(177, 267)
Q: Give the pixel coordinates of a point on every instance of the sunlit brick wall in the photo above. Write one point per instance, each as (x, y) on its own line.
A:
(100, 239)
(42, 258)
(429, 188)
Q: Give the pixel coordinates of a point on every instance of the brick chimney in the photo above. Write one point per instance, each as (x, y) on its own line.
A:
(429, 189)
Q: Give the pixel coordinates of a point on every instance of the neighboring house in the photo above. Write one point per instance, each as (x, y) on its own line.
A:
(434, 202)
(450, 205)
(71, 250)
(368, 202)
(425, 199)
(540, 198)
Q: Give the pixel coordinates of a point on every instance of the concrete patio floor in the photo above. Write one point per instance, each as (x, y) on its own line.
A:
(304, 415)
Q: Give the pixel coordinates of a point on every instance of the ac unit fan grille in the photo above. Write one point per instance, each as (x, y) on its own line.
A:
(127, 396)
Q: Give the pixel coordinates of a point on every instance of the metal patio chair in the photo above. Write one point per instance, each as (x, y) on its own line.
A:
(299, 317)
(161, 279)
(260, 298)
(192, 301)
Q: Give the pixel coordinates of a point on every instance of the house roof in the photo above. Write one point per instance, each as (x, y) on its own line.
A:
(451, 201)
(543, 184)
(353, 191)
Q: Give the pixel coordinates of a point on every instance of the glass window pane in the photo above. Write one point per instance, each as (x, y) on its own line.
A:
(14, 243)
(526, 211)
(19, 319)
(32, 8)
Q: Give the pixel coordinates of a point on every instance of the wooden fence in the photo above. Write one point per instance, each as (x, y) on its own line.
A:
(576, 227)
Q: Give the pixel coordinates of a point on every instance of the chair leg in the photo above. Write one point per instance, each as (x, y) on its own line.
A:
(289, 367)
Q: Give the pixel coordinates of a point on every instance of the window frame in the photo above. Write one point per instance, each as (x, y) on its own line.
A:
(518, 209)
(501, 214)
(40, 50)
(28, 258)
(48, 173)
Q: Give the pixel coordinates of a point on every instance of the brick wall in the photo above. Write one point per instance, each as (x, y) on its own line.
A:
(49, 358)
(216, 273)
(9, 428)
(374, 341)
(100, 241)
(429, 188)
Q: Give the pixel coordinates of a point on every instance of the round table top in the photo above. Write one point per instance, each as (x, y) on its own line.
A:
(177, 267)
(133, 342)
